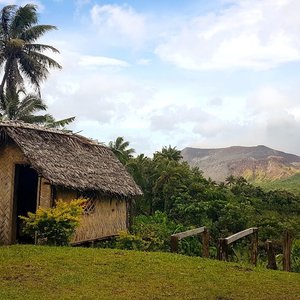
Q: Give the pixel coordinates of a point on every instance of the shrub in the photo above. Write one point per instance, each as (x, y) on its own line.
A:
(54, 226)
(296, 256)
(155, 231)
(152, 233)
(129, 241)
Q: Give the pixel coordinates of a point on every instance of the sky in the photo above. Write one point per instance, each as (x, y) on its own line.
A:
(189, 73)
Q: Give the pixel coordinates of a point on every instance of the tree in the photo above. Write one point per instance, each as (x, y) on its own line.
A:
(230, 180)
(170, 153)
(13, 107)
(20, 56)
(121, 150)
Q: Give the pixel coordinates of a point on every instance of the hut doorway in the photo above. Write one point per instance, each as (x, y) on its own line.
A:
(25, 200)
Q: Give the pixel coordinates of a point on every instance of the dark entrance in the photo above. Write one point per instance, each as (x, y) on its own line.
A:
(26, 182)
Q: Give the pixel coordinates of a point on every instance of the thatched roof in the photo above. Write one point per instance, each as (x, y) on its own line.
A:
(71, 160)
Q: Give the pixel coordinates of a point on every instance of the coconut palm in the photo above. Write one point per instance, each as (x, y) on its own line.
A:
(18, 108)
(169, 153)
(20, 56)
(230, 180)
(121, 150)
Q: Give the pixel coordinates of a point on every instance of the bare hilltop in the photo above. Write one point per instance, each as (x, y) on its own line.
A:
(257, 163)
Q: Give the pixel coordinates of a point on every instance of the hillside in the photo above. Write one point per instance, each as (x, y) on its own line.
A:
(32, 272)
(257, 164)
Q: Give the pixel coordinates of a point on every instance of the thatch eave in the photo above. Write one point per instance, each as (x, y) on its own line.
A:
(71, 160)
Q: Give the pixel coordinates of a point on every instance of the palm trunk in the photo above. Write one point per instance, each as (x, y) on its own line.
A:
(2, 87)
(4, 80)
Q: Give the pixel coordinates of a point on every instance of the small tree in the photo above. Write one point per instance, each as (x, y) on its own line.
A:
(55, 226)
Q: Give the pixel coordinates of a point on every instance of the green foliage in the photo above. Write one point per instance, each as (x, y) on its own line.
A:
(291, 184)
(127, 241)
(121, 150)
(169, 153)
(21, 55)
(296, 256)
(190, 246)
(25, 108)
(149, 233)
(107, 243)
(189, 200)
(54, 226)
(155, 230)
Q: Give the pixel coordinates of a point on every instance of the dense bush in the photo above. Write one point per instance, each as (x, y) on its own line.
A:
(149, 233)
(296, 256)
(54, 226)
(185, 199)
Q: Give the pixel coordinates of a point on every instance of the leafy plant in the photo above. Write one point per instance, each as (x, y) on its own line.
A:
(129, 241)
(54, 226)
(296, 256)
(149, 233)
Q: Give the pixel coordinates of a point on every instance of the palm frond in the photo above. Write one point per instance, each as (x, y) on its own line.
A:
(18, 29)
(33, 33)
(59, 123)
(39, 48)
(33, 69)
(29, 105)
(6, 13)
(24, 18)
(44, 60)
(40, 119)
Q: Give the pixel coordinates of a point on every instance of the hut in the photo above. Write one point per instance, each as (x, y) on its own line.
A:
(39, 166)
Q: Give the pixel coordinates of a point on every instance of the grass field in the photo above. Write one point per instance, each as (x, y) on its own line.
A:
(33, 272)
(291, 184)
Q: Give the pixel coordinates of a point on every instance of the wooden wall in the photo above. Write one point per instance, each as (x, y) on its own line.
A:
(44, 193)
(10, 155)
(108, 219)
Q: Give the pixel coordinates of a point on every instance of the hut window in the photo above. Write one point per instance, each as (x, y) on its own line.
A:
(89, 207)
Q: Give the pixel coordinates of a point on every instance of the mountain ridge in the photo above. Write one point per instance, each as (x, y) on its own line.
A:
(255, 163)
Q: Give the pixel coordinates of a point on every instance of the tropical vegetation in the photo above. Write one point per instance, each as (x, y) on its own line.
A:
(177, 197)
(24, 64)
(21, 55)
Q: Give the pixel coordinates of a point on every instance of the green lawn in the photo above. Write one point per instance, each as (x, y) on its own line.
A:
(34, 272)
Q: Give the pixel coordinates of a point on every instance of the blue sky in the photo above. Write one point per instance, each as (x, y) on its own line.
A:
(203, 73)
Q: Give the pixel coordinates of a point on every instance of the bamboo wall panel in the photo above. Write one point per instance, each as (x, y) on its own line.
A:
(45, 193)
(108, 219)
(66, 194)
(10, 155)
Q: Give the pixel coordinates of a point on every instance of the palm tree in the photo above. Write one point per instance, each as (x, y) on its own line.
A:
(20, 56)
(230, 180)
(121, 150)
(170, 153)
(14, 108)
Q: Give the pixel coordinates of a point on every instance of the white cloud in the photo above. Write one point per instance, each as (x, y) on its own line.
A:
(119, 24)
(253, 35)
(143, 61)
(101, 61)
(156, 105)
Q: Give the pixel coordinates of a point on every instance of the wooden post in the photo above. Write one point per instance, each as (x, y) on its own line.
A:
(271, 256)
(254, 247)
(176, 237)
(222, 249)
(287, 247)
(174, 244)
(205, 243)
